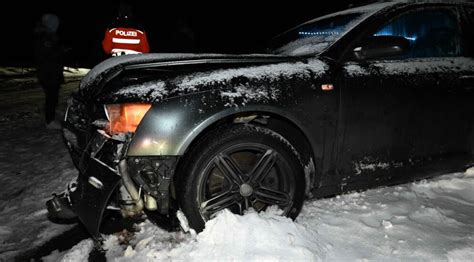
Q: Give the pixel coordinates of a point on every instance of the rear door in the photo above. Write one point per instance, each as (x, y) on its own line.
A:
(410, 111)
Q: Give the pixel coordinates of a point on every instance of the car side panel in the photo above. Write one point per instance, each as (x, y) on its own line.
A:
(170, 127)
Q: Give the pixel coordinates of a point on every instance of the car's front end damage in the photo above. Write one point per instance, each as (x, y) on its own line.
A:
(100, 154)
(126, 165)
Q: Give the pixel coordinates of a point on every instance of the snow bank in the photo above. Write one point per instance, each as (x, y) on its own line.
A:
(265, 236)
(427, 220)
(228, 237)
(78, 253)
(16, 71)
(72, 71)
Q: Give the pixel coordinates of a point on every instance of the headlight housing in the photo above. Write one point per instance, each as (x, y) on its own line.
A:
(126, 117)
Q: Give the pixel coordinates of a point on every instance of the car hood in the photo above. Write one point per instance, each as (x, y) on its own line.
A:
(111, 66)
(253, 74)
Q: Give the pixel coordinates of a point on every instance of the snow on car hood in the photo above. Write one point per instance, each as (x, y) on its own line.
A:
(248, 82)
(99, 70)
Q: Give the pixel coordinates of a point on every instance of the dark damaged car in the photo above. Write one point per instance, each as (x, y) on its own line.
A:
(376, 95)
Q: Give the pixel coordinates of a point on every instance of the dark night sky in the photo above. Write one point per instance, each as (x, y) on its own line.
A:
(223, 27)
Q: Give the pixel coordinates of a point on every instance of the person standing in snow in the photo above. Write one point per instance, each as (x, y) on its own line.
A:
(125, 36)
(49, 65)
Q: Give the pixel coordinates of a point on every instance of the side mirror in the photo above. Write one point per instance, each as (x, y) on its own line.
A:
(382, 46)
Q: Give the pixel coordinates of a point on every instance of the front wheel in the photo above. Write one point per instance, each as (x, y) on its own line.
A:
(240, 167)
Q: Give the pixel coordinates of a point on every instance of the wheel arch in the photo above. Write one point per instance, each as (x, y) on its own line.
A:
(173, 127)
(275, 121)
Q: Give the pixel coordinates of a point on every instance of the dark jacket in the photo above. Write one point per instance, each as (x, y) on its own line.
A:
(49, 57)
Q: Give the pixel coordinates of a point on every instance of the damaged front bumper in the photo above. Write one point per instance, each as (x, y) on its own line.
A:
(97, 180)
(107, 175)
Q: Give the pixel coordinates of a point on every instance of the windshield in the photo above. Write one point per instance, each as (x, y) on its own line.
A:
(314, 37)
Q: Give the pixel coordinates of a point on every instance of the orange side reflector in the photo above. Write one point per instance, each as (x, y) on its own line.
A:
(327, 87)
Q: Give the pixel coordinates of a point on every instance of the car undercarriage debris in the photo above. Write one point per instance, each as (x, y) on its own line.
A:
(154, 175)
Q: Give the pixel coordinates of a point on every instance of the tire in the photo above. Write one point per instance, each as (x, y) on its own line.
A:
(238, 167)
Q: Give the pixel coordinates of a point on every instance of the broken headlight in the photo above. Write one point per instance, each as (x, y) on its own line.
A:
(125, 118)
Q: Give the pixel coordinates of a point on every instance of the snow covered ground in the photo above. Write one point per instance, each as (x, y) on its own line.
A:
(423, 221)
(33, 161)
(427, 220)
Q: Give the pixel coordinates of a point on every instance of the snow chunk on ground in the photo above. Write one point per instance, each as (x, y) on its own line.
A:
(229, 237)
(78, 253)
(470, 171)
(265, 236)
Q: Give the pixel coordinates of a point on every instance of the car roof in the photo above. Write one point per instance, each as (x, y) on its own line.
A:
(377, 6)
(370, 8)
(432, 1)
(420, 2)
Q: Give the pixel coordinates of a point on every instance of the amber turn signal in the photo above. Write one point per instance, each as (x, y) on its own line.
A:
(125, 118)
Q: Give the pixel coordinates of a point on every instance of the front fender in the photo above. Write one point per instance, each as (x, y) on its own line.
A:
(169, 127)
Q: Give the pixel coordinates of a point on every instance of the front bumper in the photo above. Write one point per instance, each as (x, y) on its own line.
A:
(94, 189)
(96, 156)
(98, 178)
